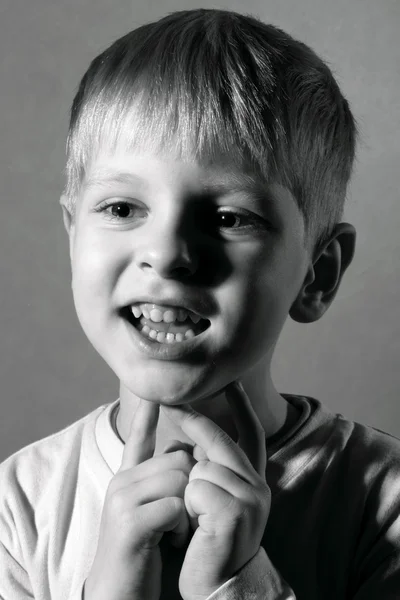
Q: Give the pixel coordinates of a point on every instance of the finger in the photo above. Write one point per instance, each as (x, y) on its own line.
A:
(179, 536)
(141, 441)
(174, 445)
(205, 499)
(213, 440)
(163, 485)
(222, 477)
(198, 453)
(251, 432)
(165, 514)
(179, 461)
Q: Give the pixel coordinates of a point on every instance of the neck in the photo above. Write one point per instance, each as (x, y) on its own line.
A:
(273, 411)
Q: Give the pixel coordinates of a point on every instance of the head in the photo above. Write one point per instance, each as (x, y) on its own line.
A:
(208, 161)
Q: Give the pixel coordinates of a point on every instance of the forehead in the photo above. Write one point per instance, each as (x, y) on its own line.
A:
(138, 169)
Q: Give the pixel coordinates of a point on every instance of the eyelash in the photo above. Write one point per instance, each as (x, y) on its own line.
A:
(102, 208)
(256, 222)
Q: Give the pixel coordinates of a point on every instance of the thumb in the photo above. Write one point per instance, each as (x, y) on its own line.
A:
(174, 445)
(199, 453)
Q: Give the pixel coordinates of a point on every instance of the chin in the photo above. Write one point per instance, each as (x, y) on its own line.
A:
(165, 390)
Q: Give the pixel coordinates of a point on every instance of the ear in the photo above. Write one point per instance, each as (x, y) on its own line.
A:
(324, 275)
(69, 221)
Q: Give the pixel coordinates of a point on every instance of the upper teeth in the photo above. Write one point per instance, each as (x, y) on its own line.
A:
(158, 313)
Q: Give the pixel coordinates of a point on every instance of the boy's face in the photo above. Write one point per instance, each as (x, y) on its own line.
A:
(154, 230)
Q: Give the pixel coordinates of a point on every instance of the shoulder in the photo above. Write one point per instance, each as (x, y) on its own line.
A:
(28, 472)
(357, 457)
(357, 468)
(40, 492)
(362, 451)
(334, 442)
(375, 459)
(371, 474)
(364, 464)
(367, 443)
(344, 439)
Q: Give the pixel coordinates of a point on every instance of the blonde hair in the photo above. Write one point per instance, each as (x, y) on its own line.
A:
(207, 83)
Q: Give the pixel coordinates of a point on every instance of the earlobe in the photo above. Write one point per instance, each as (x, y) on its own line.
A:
(324, 275)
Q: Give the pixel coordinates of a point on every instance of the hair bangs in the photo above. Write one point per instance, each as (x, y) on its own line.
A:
(185, 97)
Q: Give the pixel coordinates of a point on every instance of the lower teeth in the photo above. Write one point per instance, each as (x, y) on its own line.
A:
(162, 337)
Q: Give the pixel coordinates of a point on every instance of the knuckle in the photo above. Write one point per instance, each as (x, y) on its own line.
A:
(171, 446)
(112, 486)
(117, 504)
(232, 513)
(183, 459)
(136, 426)
(237, 509)
(193, 487)
(174, 445)
(255, 503)
(220, 437)
(266, 501)
(256, 500)
(180, 456)
(199, 468)
(258, 506)
(176, 504)
(262, 495)
(258, 428)
(137, 527)
(190, 416)
(253, 496)
(180, 479)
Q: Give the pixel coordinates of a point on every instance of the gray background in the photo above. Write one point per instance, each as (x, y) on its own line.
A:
(50, 375)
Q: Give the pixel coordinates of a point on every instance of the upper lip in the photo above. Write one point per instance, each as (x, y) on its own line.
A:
(195, 305)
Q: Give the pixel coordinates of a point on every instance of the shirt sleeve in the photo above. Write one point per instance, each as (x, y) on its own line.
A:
(376, 562)
(382, 582)
(78, 594)
(257, 580)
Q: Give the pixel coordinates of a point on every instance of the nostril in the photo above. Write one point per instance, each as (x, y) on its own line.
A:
(182, 272)
(169, 261)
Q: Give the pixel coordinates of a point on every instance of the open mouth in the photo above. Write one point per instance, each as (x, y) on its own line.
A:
(167, 325)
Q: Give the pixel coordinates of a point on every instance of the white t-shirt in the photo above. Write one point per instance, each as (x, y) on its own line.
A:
(333, 532)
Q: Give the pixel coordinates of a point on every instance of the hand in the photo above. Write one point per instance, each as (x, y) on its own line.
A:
(144, 500)
(227, 494)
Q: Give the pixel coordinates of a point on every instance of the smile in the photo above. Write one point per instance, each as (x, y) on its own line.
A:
(165, 324)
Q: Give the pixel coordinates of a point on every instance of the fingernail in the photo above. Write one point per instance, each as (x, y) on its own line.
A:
(238, 385)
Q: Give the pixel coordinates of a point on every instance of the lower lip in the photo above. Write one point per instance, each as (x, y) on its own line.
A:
(160, 351)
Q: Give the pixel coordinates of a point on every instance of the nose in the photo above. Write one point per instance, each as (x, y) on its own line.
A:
(168, 253)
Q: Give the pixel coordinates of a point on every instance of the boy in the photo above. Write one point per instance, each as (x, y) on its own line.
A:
(208, 159)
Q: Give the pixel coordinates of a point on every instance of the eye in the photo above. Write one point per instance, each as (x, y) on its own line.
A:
(228, 220)
(120, 210)
(240, 221)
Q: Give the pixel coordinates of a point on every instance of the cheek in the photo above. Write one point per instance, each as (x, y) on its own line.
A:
(260, 292)
(94, 272)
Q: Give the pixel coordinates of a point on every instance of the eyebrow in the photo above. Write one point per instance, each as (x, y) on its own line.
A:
(105, 177)
(234, 182)
(245, 185)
